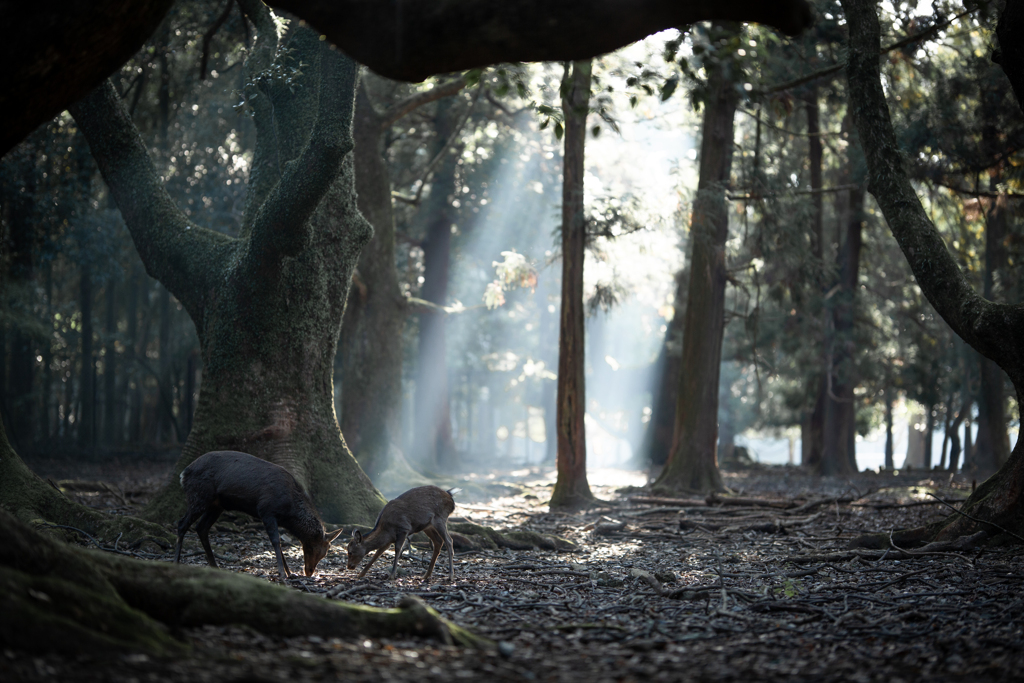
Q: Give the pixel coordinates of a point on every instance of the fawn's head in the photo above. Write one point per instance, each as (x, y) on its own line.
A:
(316, 550)
(356, 549)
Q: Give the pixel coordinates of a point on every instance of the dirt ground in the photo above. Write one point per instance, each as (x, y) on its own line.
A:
(658, 589)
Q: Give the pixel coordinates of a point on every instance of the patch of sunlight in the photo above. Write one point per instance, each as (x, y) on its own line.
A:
(613, 476)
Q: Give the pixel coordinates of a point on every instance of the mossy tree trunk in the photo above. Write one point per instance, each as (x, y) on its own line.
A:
(692, 464)
(267, 305)
(990, 328)
(571, 486)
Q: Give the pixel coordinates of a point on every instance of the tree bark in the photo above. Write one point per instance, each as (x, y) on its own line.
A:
(838, 458)
(657, 442)
(889, 465)
(268, 305)
(692, 465)
(984, 325)
(418, 38)
(407, 41)
(571, 487)
(813, 426)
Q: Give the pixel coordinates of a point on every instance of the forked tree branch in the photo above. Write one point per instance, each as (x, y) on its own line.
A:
(175, 251)
(281, 227)
(403, 108)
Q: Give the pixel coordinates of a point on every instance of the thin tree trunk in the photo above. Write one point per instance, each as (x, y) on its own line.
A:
(929, 429)
(813, 426)
(692, 464)
(86, 424)
(111, 433)
(133, 379)
(571, 487)
(889, 465)
(657, 442)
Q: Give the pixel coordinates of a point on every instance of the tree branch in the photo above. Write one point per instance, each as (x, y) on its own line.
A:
(835, 68)
(282, 227)
(410, 104)
(208, 38)
(56, 57)
(432, 164)
(266, 165)
(414, 39)
(178, 254)
(986, 326)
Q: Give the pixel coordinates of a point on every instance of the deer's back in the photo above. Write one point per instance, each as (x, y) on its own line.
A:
(242, 482)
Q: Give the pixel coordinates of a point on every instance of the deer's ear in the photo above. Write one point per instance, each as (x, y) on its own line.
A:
(357, 536)
(333, 535)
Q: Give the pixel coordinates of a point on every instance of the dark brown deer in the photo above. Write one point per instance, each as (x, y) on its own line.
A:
(229, 480)
(424, 508)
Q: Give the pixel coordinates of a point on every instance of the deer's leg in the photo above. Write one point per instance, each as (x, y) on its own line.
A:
(437, 542)
(380, 551)
(270, 524)
(183, 524)
(442, 528)
(203, 531)
(399, 549)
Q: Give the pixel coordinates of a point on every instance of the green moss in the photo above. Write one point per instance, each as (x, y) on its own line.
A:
(50, 614)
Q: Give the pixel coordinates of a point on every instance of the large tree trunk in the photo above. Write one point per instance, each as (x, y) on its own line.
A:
(837, 458)
(408, 41)
(268, 305)
(657, 443)
(433, 447)
(812, 427)
(987, 327)
(993, 446)
(371, 341)
(692, 464)
(571, 487)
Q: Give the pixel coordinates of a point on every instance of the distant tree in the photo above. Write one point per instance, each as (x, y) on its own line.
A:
(571, 486)
(692, 463)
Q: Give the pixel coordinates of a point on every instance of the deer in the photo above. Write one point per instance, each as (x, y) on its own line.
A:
(230, 480)
(424, 508)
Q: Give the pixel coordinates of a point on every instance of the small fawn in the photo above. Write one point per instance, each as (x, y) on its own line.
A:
(426, 509)
(229, 480)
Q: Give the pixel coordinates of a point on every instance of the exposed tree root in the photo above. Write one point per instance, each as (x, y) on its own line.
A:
(61, 597)
(476, 537)
(33, 501)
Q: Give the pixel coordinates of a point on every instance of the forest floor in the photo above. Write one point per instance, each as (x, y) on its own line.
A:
(658, 589)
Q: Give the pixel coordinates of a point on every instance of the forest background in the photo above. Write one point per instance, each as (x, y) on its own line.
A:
(820, 306)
